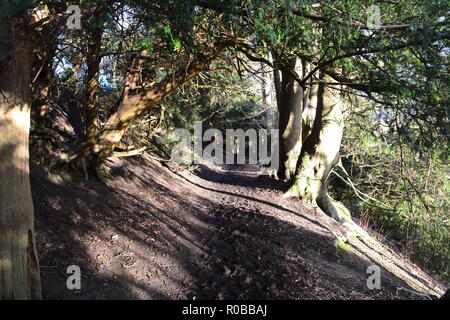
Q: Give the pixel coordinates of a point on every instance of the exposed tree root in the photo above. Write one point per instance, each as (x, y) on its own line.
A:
(364, 245)
(319, 199)
(129, 153)
(354, 240)
(414, 292)
(102, 172)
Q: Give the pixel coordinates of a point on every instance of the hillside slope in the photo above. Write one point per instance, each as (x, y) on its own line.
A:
(153, 233)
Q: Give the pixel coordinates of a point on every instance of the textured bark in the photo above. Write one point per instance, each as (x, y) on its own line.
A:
(277, 84)
(134, 105)
(320, 153)
(309, 105)
(290, 105)
(19, 268)
(93, 58)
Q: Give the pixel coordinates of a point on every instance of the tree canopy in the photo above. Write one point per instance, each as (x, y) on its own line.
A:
(360, 90)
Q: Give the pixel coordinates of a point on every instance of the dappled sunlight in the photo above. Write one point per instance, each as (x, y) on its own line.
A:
(159, 252)
(135, 136)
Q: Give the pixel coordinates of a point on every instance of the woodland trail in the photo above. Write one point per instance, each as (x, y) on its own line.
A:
(223, 233)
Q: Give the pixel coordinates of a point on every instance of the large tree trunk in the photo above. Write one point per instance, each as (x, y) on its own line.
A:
(320, 153)
(290, 105)
(19, 268)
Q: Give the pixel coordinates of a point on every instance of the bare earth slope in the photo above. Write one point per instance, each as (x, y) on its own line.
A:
(222, 234)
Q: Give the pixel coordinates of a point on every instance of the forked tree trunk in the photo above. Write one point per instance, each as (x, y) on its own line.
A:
(290, 105)
(19, 268)
(320, 153)
(134, 105)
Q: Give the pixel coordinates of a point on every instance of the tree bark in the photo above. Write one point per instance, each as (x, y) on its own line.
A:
(267, 90)
(19, 268)
(93, 59)
(277, 84)
(134, 105)
(309, 104)
(320, 153)
(290, 105)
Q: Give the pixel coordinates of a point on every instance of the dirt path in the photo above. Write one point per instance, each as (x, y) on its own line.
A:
(221, 234)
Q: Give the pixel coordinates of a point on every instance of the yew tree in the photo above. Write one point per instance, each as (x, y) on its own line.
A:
(325, 54)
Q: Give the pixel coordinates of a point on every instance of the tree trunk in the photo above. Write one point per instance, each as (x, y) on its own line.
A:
(290, 105)
(320, 153)
(267, 90)
(134, 105)
(19, 268)
(309, 105)
(42, 75)
(93, 59)
(277, 84)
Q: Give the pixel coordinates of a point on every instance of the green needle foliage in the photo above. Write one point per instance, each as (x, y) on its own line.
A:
(410, 186)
